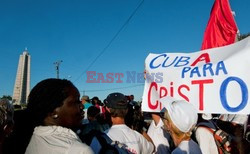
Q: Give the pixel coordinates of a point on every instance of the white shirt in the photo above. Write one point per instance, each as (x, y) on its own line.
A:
(85, 119)
(159, 137)
(56, 140)
(235, 118)
(187, 147)
(136, 143)
(206, 141)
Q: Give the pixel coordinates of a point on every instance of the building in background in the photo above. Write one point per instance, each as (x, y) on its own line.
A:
(22, 84)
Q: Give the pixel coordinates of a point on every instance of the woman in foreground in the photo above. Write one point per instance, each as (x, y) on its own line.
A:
(55, 111)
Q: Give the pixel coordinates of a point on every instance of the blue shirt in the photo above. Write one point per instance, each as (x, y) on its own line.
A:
(87, 105)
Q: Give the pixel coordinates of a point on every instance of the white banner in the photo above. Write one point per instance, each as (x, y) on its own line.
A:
(214, 80)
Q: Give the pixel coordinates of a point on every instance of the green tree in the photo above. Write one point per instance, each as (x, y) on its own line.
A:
(242, 36)
(6, 97)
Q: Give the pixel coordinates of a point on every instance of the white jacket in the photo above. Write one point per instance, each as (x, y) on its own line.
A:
(56, 140)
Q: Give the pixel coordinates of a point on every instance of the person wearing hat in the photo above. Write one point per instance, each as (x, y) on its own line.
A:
(117, 106)
(180, 117)
(86, 102)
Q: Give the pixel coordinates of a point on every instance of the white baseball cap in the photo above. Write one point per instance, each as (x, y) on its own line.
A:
(182, 113)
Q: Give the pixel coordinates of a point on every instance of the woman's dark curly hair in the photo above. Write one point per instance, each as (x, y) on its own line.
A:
(46, 96)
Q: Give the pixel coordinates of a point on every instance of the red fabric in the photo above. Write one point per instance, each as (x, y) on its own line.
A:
(221, 28)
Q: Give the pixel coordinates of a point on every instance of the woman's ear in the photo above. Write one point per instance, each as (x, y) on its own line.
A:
(55, 113)
(51, 118)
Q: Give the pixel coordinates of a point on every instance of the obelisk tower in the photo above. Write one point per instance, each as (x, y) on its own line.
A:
(22, 84)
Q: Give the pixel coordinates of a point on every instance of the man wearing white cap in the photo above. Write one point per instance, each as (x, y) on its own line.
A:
(180, 117)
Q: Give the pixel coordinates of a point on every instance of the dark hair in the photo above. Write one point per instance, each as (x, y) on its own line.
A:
(93, 111)
(43, 99)
(95, 100)
(128, 98)
(46, 96)
(134, 118)
(118, 112)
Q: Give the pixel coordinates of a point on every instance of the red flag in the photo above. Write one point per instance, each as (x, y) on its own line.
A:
(221, 28)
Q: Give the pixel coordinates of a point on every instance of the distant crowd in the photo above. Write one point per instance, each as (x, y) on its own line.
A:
(58, 121)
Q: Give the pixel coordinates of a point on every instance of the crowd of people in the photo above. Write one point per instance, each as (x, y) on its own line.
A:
(56, 120)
